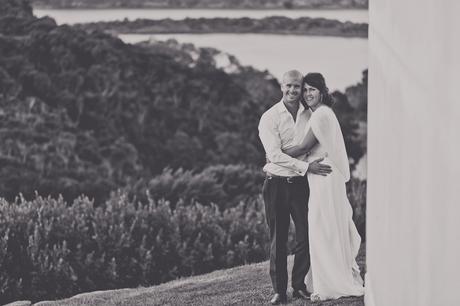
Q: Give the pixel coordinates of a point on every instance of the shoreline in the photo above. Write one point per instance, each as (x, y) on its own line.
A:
(39, 7)
(223, 33)
(107, 7)
(269, 25)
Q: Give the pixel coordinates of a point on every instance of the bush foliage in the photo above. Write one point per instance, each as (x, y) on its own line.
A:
(50, 249)
(224, 185)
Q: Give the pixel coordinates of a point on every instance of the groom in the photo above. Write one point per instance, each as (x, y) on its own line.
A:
(285, 191)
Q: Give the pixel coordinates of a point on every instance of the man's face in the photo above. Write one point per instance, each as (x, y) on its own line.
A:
(291, 88)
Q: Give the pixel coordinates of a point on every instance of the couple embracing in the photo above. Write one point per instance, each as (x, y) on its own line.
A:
(306, 171)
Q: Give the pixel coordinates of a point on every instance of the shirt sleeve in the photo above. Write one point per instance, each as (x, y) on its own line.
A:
(271, 141)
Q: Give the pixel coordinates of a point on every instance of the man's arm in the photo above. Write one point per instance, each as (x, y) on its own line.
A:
(309, 141)
(272, 144)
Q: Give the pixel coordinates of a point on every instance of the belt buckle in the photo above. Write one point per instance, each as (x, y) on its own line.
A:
(290, 180)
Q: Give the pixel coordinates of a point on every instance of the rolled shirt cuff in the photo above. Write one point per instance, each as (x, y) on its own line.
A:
(302, 167)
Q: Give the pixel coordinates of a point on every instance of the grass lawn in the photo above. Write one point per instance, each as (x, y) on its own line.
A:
(244, 285)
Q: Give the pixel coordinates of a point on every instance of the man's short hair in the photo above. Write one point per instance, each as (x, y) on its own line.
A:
(292, 74)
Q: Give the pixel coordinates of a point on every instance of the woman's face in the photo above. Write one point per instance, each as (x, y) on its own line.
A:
(312, 96)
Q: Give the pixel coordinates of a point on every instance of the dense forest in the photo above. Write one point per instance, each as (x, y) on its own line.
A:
(268, 25)
(85, 113)
(235, 4)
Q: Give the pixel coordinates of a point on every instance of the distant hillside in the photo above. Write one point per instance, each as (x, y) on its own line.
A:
(268, 25)
(86, 113)
(214, 4)
(83, 112)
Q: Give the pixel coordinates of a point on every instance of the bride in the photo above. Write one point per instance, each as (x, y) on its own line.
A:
(334, 240)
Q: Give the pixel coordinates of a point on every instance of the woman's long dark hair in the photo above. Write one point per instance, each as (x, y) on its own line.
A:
(316, 79)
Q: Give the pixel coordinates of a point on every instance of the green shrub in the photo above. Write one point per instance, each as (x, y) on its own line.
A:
(239, 182)
(356, 190)
(49, 249)
(223, 185)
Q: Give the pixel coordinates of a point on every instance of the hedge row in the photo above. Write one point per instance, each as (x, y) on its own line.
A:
(49, 249)
(224, 185)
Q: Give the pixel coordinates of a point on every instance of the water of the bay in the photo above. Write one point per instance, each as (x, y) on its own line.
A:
(341, 60)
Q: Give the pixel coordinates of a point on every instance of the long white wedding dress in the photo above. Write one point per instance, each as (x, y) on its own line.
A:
(334, 240)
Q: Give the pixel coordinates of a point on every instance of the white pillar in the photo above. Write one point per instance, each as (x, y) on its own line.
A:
(413, 200)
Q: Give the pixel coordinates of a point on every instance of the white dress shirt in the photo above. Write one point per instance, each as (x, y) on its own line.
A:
(277, 131)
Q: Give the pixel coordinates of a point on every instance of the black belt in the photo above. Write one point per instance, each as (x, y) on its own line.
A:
(288, 179)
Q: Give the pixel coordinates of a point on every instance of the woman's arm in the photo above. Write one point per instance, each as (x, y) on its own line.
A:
(305, 146)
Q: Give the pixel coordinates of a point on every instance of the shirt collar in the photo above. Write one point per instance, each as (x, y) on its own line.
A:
(282, 108)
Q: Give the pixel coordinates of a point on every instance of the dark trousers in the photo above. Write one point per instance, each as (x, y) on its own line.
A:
(284, 198)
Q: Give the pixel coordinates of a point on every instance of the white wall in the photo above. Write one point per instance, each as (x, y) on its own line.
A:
(413, 201)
